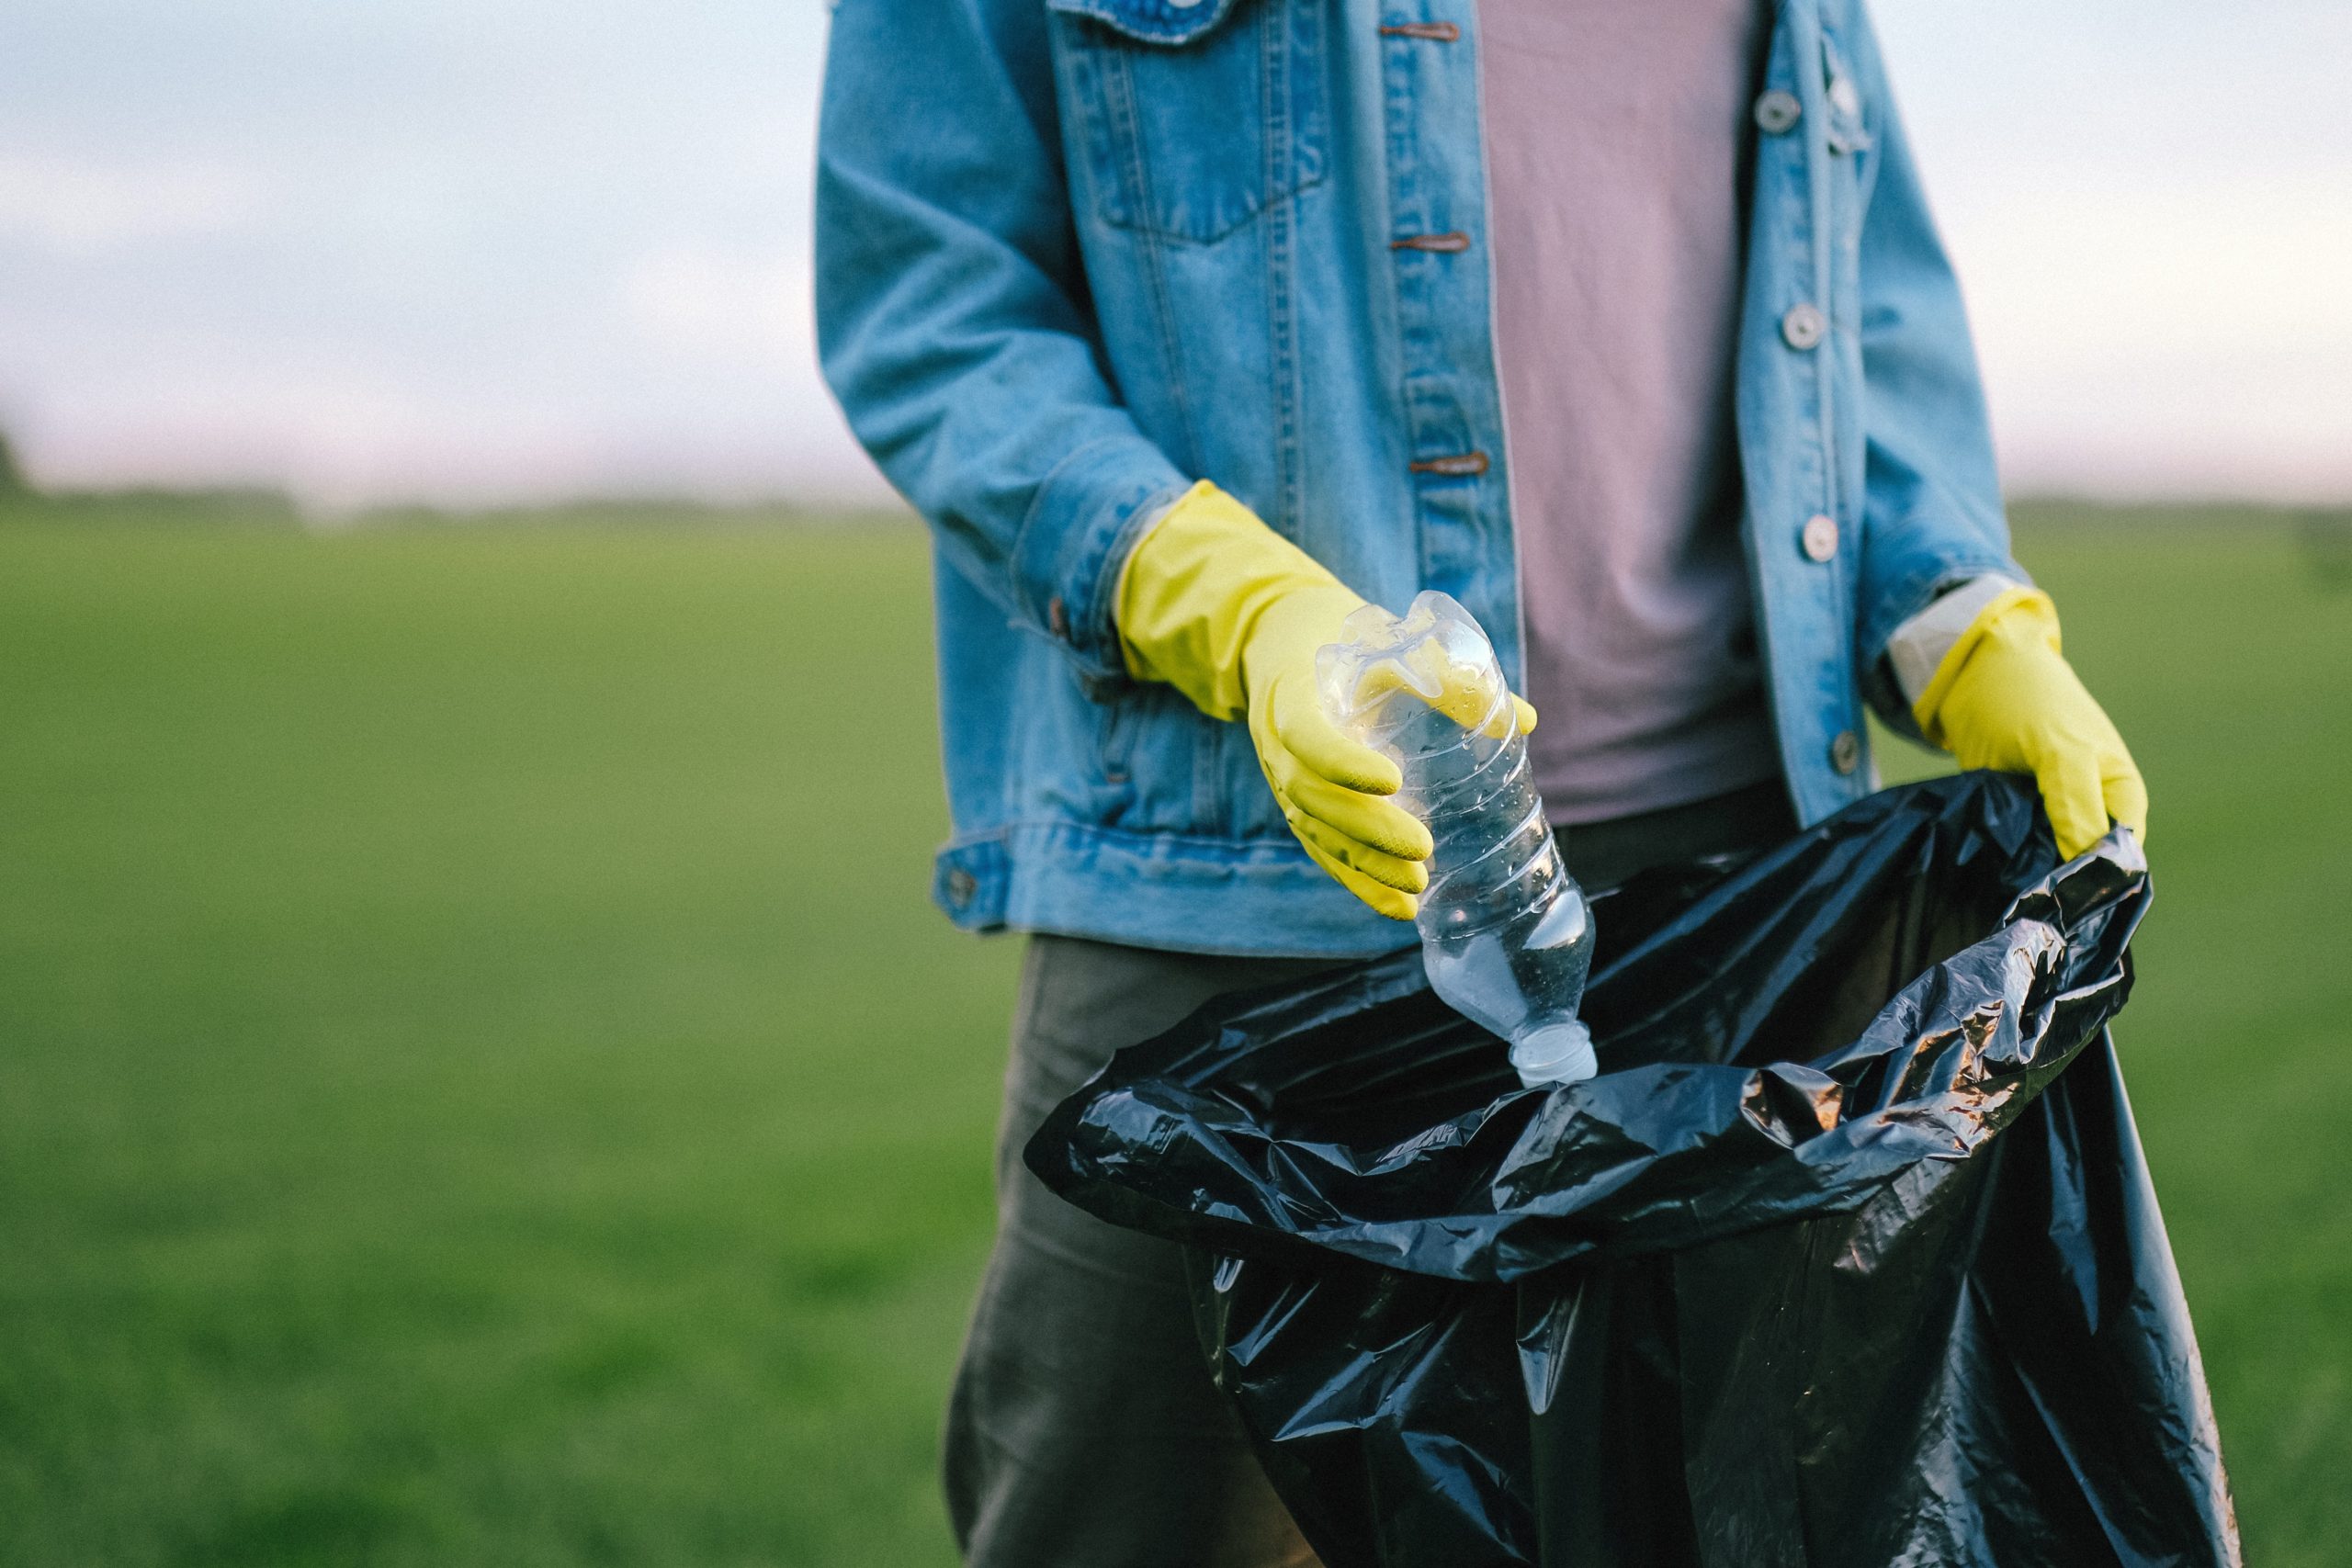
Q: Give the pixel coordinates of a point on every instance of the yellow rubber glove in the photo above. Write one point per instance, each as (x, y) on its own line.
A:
(1232, 615)
(2004, 699)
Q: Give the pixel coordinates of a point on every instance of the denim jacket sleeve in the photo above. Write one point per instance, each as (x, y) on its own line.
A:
(952, 315)
(1931, 494)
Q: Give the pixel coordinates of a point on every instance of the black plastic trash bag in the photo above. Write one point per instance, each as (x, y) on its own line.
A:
(1847, 1258)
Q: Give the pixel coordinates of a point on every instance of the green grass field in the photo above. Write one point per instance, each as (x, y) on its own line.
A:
(481, 1082)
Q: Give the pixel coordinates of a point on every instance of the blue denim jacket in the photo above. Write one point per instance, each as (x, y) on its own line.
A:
(1073, 253)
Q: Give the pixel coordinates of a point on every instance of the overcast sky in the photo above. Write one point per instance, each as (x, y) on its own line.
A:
(495, 249)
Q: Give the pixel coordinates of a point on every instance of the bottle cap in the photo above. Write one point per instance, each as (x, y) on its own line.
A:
(1557, 1052)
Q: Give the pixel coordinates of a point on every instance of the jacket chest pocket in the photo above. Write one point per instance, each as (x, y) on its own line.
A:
(1189, 118)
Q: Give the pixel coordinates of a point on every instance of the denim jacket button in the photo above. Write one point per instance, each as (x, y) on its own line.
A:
(961, 885)
(1777, 111)
(1058, 617)
(1805, 326)
(1819, 538)
(1845, 751)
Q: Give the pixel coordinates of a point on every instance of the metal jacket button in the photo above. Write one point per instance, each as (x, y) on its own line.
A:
(1803, 326)
(1845, 751)
(961, 885)
(1819, 538)
(1777, 111)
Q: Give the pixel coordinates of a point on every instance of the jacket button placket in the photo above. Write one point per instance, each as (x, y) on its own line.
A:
(1452, 414)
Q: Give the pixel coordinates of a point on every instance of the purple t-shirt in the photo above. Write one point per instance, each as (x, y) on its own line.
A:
(1616, 133)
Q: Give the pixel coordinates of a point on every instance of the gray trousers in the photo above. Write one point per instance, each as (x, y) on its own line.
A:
(1084, 1431)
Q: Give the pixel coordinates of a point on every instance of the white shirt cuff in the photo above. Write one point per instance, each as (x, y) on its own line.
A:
(1920, 644)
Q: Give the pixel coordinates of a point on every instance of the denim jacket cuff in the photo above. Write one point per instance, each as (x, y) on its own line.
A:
(1085, 517)
(1917, 583)
(1917, 646)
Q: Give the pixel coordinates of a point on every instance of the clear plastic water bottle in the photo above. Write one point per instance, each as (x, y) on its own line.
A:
(1506, 934)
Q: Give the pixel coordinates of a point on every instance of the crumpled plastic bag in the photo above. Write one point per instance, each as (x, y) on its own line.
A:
(1849, 1257)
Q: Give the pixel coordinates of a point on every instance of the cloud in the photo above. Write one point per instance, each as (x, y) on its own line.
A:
(78, 207)
(427, 248)
(2184, 335)
(343, 431)
(708, 302)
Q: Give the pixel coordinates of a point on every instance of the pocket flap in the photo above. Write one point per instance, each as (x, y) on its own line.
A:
(1167, 22)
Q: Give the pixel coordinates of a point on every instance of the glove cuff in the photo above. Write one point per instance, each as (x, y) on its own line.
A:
(2017, 612)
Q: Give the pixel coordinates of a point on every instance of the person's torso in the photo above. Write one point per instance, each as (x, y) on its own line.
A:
(1283, 213)
(1616, 132)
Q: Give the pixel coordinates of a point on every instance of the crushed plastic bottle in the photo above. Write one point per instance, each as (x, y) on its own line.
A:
(1506, 934)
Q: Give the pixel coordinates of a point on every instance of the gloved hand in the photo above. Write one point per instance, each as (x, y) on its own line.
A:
(2004, 699)
(1232, 615)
